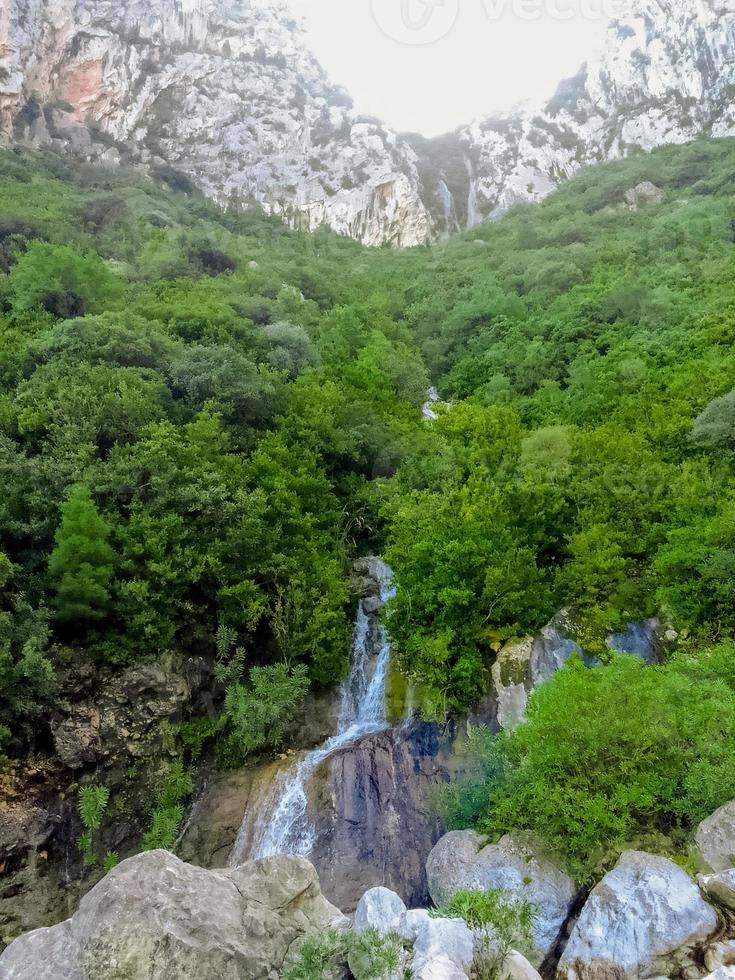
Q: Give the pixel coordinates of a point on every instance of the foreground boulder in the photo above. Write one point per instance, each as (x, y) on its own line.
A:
(155, 918)
(443, 950)
(463, 859)
(715, 839)
(646, 918)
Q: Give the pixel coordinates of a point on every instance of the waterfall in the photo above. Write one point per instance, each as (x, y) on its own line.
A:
(282, 825)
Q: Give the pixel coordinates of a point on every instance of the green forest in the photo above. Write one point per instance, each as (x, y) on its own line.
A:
(205, 417)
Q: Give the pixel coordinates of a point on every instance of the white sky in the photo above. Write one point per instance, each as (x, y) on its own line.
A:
(450, 61)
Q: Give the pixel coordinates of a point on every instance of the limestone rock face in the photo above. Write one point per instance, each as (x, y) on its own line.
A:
(644, 919)
(658, 56)
(715, 839)
(227, 93)
(154, 917)
(462, 859)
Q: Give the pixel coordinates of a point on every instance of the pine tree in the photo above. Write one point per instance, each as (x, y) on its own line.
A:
(81, 562)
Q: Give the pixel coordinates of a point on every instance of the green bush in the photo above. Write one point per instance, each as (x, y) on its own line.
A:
(321, 956)
(609, 757)
(63, 281)
(503, 922)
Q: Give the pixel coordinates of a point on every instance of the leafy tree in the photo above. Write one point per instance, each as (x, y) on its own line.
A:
(27, 677)
(465, 580)
(81, 564)
(714, 428)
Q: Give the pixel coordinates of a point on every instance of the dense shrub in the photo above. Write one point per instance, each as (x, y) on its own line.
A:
(609, 757)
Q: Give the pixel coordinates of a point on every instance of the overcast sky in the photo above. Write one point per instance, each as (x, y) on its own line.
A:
(431, 65)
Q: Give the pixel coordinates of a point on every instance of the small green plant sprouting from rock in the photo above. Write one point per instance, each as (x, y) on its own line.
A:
(323, 954)
(372, 956)
(93, 802)
(168, 811)
(501, 923)
(321, 957)
(111, 861)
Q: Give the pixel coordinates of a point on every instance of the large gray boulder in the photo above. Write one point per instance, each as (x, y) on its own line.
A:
(720, 887)
(156, 918)
(715, 839)
(646, 918)
(443, 950)
(463, 859)
(379, 909)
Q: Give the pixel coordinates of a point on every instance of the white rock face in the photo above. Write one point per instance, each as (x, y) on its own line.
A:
(380, 909)
(227, 93)
(443, 950)
(721, 973)
(715, 839)
(643, 919)
(662, 75)
(224, 91)
(154, 917)
(463, 860)
(720, 954)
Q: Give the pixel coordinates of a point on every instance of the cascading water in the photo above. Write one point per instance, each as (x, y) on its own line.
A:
(283, 826)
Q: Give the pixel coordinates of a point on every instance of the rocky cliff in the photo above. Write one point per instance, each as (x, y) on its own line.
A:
(664, 75)
(225, 93)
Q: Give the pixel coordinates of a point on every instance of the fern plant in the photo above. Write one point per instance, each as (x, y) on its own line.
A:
(168, 811)
(92, 804)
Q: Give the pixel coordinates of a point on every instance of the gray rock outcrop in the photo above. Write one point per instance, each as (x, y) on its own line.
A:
(462, 859)
(720, 887)
(520, 667)
(154, 917)
(371, 806)
(646, 918)
(715, 839)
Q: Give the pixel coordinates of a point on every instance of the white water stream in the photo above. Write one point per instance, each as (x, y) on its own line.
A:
(284, 827)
